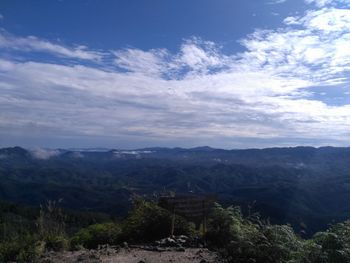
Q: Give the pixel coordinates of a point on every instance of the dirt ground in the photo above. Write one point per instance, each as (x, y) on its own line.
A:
(133, 255)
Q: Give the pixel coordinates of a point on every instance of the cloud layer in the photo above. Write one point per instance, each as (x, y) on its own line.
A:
(263, 96)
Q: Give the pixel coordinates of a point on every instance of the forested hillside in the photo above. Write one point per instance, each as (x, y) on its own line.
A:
(307, 187)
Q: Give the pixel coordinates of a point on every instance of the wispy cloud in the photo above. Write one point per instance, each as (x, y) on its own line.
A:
(195, 56)
(33, 43)
(139, 61)
(198, 94)
(323, 3)
(319, 3)
(273, 2)
(44, 154)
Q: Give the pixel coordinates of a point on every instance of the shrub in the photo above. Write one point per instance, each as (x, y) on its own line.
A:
(51, 227)
(223, 225)
(278, 244)
(20, 249)
(98, 234)
(333, 244)
(9, 251)
(241, 240)
(56, 243)
(148, 222)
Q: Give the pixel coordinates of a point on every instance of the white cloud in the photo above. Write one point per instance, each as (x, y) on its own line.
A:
(199, 55)
(32, 43)
(315, 49)
(319, 3)
(135, 60)
(291, 20)
(323, 3)
(328, 20)
(273, 2)
(195, 55)
(197, 94)
(44, 154)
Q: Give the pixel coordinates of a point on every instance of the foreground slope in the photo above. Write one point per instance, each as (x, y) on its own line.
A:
(109, 255)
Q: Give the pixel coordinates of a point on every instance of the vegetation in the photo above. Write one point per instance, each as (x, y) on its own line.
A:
(238, 238)
(26, 232)
(97, 234)
(307, 187)
(249, 239)
(148, 222)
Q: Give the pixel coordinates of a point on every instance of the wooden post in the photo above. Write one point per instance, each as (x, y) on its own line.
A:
(204, 222)
(204, 218)
(173, 223)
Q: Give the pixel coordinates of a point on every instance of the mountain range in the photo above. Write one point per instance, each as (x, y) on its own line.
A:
(305, 186)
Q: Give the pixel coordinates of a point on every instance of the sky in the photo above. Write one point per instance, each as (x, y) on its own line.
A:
(137, 73)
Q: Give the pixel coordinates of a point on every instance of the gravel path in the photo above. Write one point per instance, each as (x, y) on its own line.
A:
(134, 255)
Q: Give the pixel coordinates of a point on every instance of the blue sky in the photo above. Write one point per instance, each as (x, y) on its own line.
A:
(132, 74)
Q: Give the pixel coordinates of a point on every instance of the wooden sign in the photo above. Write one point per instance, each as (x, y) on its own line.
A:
(191, 206)
(188, 206)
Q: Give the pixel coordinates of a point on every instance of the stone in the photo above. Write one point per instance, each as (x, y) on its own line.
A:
(180, 249)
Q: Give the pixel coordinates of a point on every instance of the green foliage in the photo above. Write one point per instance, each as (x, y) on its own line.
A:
(243, 240)
(19, 249)
(224, 225)
(51, 226)
(278, 243)
(334, 244)
(9, 251)
(238, 238)
(148, 222)
(246, 240)
(98, 234)
(27, 232)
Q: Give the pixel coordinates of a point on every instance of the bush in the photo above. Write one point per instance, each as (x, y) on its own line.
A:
(278, 244)
(98, 234)
(56, 243)
(223, 225)
(51, 227)
(333, 244)
(148, 222)
(241, 240)
(20, 249)
(9, 251)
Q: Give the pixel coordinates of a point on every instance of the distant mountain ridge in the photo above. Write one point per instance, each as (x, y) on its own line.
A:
(305, 186)
(203, 149)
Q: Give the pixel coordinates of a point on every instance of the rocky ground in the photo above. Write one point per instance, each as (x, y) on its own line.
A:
(179, 250)
(134, 255)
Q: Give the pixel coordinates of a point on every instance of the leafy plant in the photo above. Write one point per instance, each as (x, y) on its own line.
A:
(51, 226)
(148, 222)
(98, 234)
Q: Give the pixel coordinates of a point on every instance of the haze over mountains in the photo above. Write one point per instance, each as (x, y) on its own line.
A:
(305, 186)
